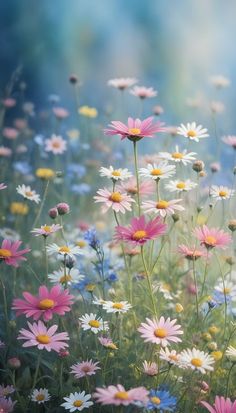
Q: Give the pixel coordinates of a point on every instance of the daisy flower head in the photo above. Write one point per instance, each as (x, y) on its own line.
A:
(77, 401)
(197, 360)
(115, 174)
(219, 81)
(136, 129)
(231, 353)
(162, 207)
(212, 237)
(46, 230)
(150, 368)
(71, 276)
(221, 192)
(56, 144)
(191, 253)
(170, 356)
(93, 323)
(6, 405)
(230, 140)
(117, 395)
(9, 253)
(40, 396)
(84, 368)
(146, 187)
(107, 343)
(122, 83)
(161, 400)
(116, 200)
(178, 156)
(192, 131)
(139, 231)
(47, 303)
(2, 186)
(160, 331)
(64, 250)
(227, 289)
(6, 390)
(158, 171)
(143, 92)
(28, 193)
(116, 307)
(180, 186)
(221, 405)
(60, 113)
(39, 336)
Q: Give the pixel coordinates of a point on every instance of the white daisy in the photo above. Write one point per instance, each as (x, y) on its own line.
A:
(72, 276)
(64, 250)
(9, 233)
(28, 193)
(221, 192)
(122, 83)
(40, 396)
(116, 307)
(219, 81)
(192, 131)
(227, 288)
(99, 301)
(158, 170)
(170, 356)
(180, 186)
(196, 360)
(178, 156)
(77, 401)
(231, 353)
(115, 174)
(163, 207)
(93, 323)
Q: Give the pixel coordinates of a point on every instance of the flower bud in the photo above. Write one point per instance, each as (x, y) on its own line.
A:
(14, 363)
(232, 225)
(212, 346)
(217, 355)
(179, 308)
(63, 208)
(198, 166)
(175, 217)
(53, 213)
(73, 79)
(63, 353)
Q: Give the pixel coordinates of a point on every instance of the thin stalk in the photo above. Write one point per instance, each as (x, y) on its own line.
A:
(42, 205)
(137, 176)
(148, 280)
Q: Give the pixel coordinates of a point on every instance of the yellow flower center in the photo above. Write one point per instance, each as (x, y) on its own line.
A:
(43, 339)
(181, 185)
(155, 400)
(160, 332)
(65, 278)
(90, 287)
(162, 204)
(134, 131)
(196, 362)
(64, 249)
(77, 403)
(94, 323)
(223, 193)
(173, 357)
(210, 240)
(29, 193)
(40, 397)
(81, 243)
(191, 133)
(112, 346)
(122, 395)
(139, 235)
(226, 290)
(156, 172)
(177, 155)
(5, 253)
(115, 197)
(56, 144)
(46, 304)
(47, 228)
(116, 173)
(118, 306)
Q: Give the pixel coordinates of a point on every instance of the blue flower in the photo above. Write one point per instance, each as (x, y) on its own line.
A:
(112, 277)
(161, 400)
(23, 167)
(81, 189)
(91, 237)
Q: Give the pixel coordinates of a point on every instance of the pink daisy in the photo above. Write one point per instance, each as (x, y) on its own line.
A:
(143, 92)
(43, 338)
(56, 145)
(60, 113)
(230, 140)
(160, 331)
(9, 253)
(191, 253)
(2, 186)
(163, 207)
(4, 151)
(118, 201)
(6, 405)
(10, 133)
(85, 368)
(221, 405)
(212, 237)
(146, 187)
(55, 301)
(117, 395)
(136, 129)
(9, 102)
(46, 230)
(139, 231)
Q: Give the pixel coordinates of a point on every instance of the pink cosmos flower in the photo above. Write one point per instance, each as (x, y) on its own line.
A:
(230, 140)
(9, 253)
(221, 405)
(2, 186)
(146, 187)
(118, 201)
(85, 368)
(4, 151)
(143, 92)
(55, 301)
(43, 338)
(150, 368)
(9, 102)
(162, 207)
(6, 405)
(60, 113)
(212, 237)
(160, 331)
(56, 145)
(191, 253)
(139, 231)
(46, 230)
(10, 133)
(117, 395)
(136, 129)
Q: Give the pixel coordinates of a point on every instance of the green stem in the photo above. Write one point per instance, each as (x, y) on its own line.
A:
(148, 275)
(196, 288)
(42, 205)
(228, 379)
(137, 175)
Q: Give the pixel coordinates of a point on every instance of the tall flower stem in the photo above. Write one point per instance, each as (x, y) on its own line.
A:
(205, 273)
(137, 175)
(228, 379)
(5, 308)
(196, 289)
(36, 371)
(46, 259)
(42, 204)
(148, 276)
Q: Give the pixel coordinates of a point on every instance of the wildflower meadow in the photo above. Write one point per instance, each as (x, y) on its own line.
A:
(117, 250)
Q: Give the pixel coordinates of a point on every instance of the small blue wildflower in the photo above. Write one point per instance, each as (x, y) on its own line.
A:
(81, 189)
(161, 400)
(91, 237)
(112, 277)
(23, 167)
